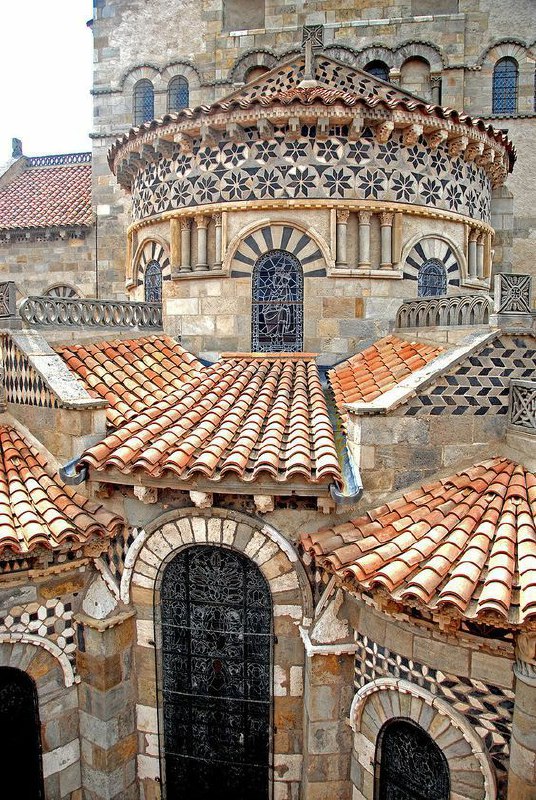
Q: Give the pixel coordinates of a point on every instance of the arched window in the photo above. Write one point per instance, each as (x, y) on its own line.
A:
(277, 301)
(379, 69)
(415, 77)
(178, 93)
(255, 72)
(409, 764)
(216, 634)
(432, 279)
(62, 290)
(143, 102)
(505, 79)
(20, 732)
(153, 282)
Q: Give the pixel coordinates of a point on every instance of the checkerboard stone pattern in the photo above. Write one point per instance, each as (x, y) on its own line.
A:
(479, 385)
(23, 384)
(487, 708)
(52, 620)
(115, 555)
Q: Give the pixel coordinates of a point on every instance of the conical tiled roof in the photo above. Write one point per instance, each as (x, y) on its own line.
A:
(465, 544)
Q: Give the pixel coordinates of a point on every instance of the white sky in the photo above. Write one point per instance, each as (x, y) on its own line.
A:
(46, 55)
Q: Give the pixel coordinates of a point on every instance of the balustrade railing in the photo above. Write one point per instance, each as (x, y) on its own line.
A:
(522, 406)
(427, 312)
(74, 312)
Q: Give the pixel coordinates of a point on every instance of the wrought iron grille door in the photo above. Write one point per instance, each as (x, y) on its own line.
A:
(277, 324)
(412, 767)
(216, 616)
(20, 733)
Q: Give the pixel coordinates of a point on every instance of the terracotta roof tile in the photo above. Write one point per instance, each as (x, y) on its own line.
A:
(467, 542)
(47, 196)
(131, 374)
(372, 372)
(36, 508)
(247, 416)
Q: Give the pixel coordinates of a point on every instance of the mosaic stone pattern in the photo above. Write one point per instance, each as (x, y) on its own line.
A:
(333, 168)
(22, 383)
(481, 384)
(153, 251)
(487, 708)
(115, 555)
(53, 620)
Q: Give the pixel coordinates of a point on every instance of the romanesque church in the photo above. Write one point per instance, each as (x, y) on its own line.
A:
(268, 411)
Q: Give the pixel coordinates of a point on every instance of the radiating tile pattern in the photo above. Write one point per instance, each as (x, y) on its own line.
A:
(42, 196)
(378, 368)
(432, 249)
(114, 557)
(480, 384)
(22, 383)
(465, 545)
(153, 251)
(36, 508)
(332, 168)
(487, 708)
(245, 416)
(131, 374)
(52, 620)
(278, 236)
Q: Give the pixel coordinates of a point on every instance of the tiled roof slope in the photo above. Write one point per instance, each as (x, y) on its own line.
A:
(246, 416)
(47, 196)
(466, 544)
(131, 374)
(36, 508)
(377, 369)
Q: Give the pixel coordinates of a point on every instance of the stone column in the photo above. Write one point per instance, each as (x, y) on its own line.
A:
(107, 703)
(364, 239)
(472, 258)
(480, 256)
(186, 233)
(386, 223)
(522, 768)
(201, 223)
(435, 89)
(341, 237)
(175, 244)
(218, 254)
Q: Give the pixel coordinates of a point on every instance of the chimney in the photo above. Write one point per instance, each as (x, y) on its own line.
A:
(16, 148)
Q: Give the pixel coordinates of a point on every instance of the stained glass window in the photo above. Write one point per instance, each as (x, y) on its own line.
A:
(153, 282)
(411, 765)
(432, 279)
(277, 321)
(143, 102)
(379, 69)
(20, 732)
(505, 77)
(178, 94)
(216, 617)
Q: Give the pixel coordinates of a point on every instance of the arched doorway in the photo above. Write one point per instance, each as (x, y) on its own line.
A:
(277, 303)
(215, 694)
(410, 766)
(20, 733)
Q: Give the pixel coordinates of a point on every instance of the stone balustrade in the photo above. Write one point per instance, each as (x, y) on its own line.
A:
(427, 312)
(73, 312)
(522, 406)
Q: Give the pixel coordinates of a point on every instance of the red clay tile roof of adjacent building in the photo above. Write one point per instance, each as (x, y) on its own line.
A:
(36, 508)
(132, 375)
(247, 416)
(378, 368)
(43, 196)
(465, 544)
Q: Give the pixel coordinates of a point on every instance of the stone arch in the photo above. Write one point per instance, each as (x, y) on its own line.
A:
(141, 72)
(184, 68)
(377, 53)
(424, 50)
(63, 290)
(254, 240)
(421, 248)
(291, 595)
(263, 57)
(507, 48)
(386, 699)
(25, 650)
(154, 249)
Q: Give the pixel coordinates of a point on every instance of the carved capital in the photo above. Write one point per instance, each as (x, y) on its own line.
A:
(473, 235)
(364, 217)
(186, 223)
(201, 220)
(386, 218)
(525, 666)
(217, 217)
(342, 216)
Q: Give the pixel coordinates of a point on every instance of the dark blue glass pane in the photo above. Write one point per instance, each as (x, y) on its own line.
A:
(178, 94)
(379, 69)
(277, 324)
(505, 87)
(432, 279)
(153, 282)
(143, 102)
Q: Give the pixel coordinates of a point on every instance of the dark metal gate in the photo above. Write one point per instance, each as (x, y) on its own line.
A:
(20, 734)
(216, 616)
(412, 767)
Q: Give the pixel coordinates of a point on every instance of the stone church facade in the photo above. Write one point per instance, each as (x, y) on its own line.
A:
(269, 522)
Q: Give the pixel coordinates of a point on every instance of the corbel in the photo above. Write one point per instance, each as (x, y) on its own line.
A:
(209, 136)
(487, 157)
(235, 132)
(149, 154)
(457, 145)
(265, 128)
(322, 128)
(473, 151)
(294, 128)
(383, 131)
(164, 147)
(185, 142)
(411, 134)
(356, 128)
(436, 137)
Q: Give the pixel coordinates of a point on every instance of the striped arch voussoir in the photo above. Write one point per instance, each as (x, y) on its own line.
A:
(153, 251)
(438, 249)
(278, 237)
